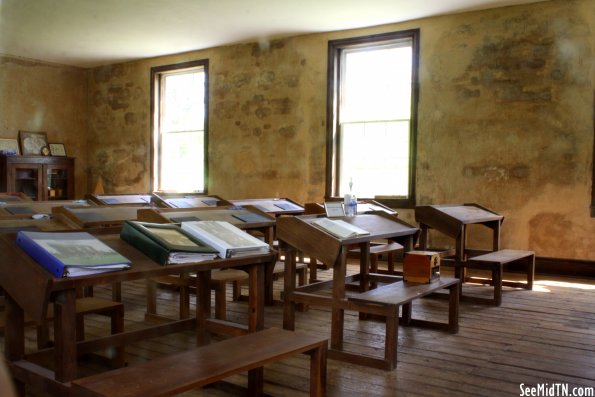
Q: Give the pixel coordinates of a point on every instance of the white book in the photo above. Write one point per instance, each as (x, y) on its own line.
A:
(339, 228)
(228, 239)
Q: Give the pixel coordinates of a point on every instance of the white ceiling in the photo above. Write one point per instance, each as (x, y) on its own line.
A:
(89, 33)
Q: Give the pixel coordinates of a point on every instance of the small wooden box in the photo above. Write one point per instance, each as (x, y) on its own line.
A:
(421, 266)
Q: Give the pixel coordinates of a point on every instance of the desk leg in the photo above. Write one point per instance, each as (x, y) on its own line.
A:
(203, 306)
(407, 310)
(14, 336)
(338, 314)
(288, 288)
(256, 321)
(65, 335)
(530, 272)
(453, 309)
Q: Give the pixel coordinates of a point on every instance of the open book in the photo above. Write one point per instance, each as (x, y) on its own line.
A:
(229, 240)
(166, 243)
(339, 228)
(71, 254)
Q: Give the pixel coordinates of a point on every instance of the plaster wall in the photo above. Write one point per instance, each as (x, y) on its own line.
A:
(37, 96)
(505, 120)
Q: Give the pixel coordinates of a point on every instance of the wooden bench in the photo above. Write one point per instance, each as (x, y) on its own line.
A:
(376, 251)
(219, 281)
(495, 262)
(84, 306)
(179, 372)
(386, 300)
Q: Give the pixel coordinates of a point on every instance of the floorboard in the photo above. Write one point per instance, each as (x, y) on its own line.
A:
(542, 336)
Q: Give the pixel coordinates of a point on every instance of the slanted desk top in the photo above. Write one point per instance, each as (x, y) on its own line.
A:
(187, 200)
(302, 235)
(142, 199)
(26, 209)
(98, 216)
(246, 217)
(276, 206)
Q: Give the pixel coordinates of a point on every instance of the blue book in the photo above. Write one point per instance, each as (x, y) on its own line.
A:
(251, 217)
(71, 253)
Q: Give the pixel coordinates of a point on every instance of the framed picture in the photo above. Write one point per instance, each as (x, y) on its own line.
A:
(32, 142)
(334, 209)
(8, 146)
(57, 149)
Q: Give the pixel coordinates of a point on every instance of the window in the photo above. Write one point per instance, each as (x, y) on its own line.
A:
(371, 113)
(179, 126)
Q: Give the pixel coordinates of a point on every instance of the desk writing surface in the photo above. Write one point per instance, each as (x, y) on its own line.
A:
(25, 209)
(121, 199)
(275, 206)
(450, 219)
(179, 200)
(232, 215)
(302, 235)
(39, 225)
(98, 216)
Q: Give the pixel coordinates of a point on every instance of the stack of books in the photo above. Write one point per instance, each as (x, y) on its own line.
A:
(71, 253)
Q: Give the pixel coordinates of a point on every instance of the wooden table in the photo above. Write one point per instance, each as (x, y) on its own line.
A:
(18, 270)
(297, 233)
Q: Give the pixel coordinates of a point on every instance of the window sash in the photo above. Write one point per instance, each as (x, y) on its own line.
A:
(335, 175)
(180, 135)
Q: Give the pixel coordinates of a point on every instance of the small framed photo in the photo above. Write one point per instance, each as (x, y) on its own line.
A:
(32, 142)
(9, 147)
(57, 149)
(334, 209)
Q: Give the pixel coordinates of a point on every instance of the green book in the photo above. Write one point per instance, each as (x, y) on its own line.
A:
(166, 243)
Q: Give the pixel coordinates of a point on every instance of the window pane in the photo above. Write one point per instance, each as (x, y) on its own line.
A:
(182, 161)
(183, 102)
(376, 84)
(376, 156)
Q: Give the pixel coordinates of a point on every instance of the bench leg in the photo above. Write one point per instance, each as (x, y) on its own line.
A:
(318, 371)
(117, 326)
(453, 309)
(391, 337)
(497, 282)
(406, 313)
(256, 382)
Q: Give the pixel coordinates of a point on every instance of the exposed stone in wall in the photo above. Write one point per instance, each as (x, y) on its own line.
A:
(505, 120)
(119, 145)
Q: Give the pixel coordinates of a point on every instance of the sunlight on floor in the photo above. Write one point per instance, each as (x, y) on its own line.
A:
(564, 284)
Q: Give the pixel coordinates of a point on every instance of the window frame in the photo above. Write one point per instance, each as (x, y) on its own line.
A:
(156, 73)
(335, 47)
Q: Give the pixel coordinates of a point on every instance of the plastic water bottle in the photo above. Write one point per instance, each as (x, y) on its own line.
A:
(353, 206)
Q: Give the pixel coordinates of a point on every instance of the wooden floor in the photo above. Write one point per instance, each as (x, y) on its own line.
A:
(542, 336)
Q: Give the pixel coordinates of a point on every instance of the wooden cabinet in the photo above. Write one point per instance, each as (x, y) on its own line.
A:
(39, 177)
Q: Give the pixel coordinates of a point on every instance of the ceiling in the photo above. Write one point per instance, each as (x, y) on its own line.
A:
(89, 33)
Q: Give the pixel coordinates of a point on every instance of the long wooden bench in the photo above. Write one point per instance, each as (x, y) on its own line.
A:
(386, 300)
(198, 367)
(495, 262)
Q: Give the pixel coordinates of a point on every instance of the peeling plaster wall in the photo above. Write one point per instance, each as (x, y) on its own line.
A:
(38, 96)
(505, 120)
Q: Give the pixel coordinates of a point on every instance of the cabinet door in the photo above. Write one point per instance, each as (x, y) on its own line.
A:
(27, 179)
(59, 182)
